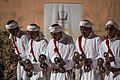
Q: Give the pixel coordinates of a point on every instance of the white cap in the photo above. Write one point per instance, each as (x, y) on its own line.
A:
(109, 23)
(33, 27)
(11, 24)
(85, 23)
(55, 28)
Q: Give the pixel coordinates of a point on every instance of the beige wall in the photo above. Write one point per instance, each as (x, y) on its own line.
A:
(100, 11)
(24, 11)
(30, 11)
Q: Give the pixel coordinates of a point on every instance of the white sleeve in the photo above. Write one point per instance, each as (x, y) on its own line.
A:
(71, 49)
(24, 40)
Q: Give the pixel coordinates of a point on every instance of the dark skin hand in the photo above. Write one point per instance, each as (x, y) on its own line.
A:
(58, 65)
(110, 59)
(62, 63)
(29, 66)
(113, 69)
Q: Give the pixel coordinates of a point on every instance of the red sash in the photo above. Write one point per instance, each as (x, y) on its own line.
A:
(80, 45)
(31, 51)
(56, 49)
(79, 42)
(109, 50)
(14, 45)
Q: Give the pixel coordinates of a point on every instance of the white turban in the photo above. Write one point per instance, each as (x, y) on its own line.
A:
(12, 25)
(109, 23)
(55, 29)
(33, 27)
(85, 23)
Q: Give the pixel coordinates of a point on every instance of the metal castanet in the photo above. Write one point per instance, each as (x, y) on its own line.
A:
(78, 65)
(28, 70)
(106, 54)
(100, 62)
(57, 60)
(87, 68)
(76, 54)
(43, 64)
(21, 63)
(87, 65)
(29, 73)
(107, 64)
(82, 57)
(76, 60)
(42, 59)
(27, 61)
(61, 69)
(19, 59)
(55, 70)
(79, 59)
(102, 69)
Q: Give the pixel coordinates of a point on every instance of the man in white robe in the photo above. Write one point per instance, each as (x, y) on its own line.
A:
(114, 46)
(62, 46)
(37, 45)
(20, 42)
(89, 44)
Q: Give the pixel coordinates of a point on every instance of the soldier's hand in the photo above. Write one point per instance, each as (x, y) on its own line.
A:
(29, 66)
(76, 60)
(109, 59)
(55, 66)
(113, 69)
(83, 62)
(62, 63)
(22, 63)
(87, 61)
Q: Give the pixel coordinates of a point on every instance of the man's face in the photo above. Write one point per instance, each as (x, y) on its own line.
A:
(56, 36)
(13, 31)
(111, 31)
(33, 34)
(85, 31)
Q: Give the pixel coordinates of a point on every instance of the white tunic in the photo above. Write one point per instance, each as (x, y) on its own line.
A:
(90, 46)
(21, 41)
(66, 49)
(114, 44)
(39, 46)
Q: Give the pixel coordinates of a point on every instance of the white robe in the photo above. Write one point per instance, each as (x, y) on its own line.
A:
(39, 46)
(21, 43)
(66, 49)
(115, 48)
(90, 46)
